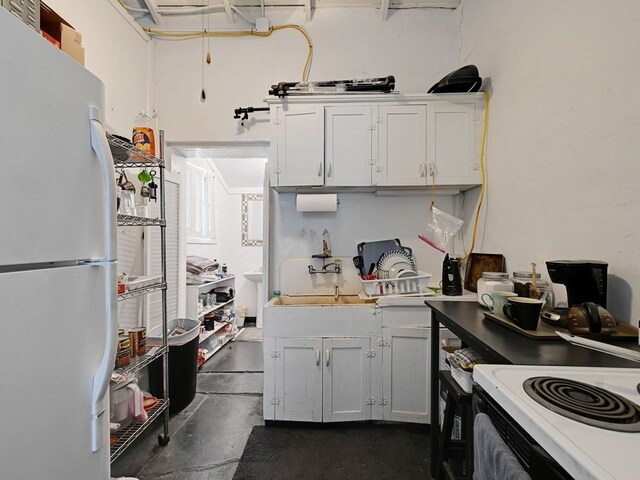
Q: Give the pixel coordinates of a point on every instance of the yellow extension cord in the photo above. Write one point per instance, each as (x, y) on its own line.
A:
(484, 174)
(242, 33)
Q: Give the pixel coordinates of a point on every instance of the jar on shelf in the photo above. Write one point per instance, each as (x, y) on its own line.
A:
(493, 282)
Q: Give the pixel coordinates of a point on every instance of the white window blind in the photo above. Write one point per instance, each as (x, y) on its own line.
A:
(154, 252)
(131, 262)
(200, 208)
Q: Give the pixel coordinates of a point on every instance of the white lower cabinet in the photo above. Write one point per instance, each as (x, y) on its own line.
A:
(406, 374)
(346, 379)
(298, 371)
(377, 370)
(322, 379)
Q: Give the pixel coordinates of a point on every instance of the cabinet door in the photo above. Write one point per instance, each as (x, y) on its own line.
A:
(346, 379)
(299, 145)
(451, 135)
(298, 390)
(405, 376)
(348, 149)
(402, 145)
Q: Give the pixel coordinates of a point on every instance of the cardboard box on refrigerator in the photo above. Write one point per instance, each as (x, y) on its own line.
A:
(57, 27)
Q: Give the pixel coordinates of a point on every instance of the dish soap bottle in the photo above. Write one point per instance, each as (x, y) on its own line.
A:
(142, 136)
(326, 250)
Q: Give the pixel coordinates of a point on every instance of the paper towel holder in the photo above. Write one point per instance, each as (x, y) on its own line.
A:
(317, 202)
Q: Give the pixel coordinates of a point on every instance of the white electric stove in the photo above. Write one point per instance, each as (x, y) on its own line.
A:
(584, 451)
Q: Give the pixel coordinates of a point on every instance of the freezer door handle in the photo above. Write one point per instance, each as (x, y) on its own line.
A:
(103, 374)
(101, 147)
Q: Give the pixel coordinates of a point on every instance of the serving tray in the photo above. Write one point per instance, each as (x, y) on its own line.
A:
(548, 332)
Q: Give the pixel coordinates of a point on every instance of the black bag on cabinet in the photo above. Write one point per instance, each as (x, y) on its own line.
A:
(463, 80)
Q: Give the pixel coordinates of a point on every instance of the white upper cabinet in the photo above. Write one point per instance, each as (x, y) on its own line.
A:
(402, 145)
(298, 137)
(376, 141)
(348, 145)
(453, 158)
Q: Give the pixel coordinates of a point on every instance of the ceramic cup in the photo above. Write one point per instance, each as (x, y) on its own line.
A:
(523, 311)
(496, 301)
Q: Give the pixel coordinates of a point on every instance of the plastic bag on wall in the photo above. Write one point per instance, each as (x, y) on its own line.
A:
(441, 228)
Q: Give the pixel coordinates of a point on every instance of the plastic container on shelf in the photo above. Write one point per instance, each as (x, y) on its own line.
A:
(241, 313)
(121, 405)
(183, 362)
(142, 136)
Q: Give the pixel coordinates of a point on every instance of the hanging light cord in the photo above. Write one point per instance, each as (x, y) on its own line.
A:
(244, 33)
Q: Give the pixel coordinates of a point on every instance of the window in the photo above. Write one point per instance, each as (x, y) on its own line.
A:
(200, 205)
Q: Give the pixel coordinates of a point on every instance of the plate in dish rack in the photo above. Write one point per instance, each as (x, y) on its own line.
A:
(396, 260)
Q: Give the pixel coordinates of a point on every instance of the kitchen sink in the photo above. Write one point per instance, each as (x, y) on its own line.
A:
(318, 300)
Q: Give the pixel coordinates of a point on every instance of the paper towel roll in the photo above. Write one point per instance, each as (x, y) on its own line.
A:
(317, 202)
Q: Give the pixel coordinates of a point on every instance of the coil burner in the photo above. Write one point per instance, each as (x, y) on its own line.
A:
(585, 403)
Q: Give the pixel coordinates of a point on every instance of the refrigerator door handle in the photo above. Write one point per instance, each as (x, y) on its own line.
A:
(101, 147)
(103, 374)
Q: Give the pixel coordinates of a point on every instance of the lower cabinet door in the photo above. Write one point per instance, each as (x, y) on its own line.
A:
(346, 379)
(405, 376)
(298, 387)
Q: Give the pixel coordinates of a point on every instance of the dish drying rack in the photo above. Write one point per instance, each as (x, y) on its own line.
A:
(380, 287)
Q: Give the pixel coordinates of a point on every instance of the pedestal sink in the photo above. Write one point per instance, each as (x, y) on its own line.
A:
(256, 277)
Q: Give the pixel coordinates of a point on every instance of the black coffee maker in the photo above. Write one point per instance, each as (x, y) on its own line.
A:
(585, 281)
(451, 278)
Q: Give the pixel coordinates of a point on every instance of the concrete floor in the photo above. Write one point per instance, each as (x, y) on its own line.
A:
(208, 437)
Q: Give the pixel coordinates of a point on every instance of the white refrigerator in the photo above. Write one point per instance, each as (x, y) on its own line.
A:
(58, 299)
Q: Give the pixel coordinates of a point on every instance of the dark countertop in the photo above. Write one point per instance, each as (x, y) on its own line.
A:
(497, 344)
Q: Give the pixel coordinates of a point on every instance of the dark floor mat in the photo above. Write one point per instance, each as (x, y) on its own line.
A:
(335, 452)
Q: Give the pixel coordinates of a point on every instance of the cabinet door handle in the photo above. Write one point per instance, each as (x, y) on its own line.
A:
(327, 354)
(329, 170)
(422, 169)
(320, 169)
(317, 356)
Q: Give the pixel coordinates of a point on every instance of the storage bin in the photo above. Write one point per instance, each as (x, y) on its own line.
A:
(462, 377)
(183, 363)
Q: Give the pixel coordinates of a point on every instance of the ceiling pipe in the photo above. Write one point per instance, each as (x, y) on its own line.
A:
(190, 11)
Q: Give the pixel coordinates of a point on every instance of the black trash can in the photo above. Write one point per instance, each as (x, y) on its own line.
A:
(183, 362)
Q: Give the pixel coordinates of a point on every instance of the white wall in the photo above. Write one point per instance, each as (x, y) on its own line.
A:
(116, 53)
(417, 46)
(361, 217)
(564, 133)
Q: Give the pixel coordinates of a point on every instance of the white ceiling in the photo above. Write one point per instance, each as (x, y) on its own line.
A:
(317, 3)
(241, 173)
(241, 166)
(146, 11)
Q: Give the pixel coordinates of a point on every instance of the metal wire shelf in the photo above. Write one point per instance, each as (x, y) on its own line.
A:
(138, 363)
(141, 291)
(126, 436)
(126, 155)
(132, 221)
